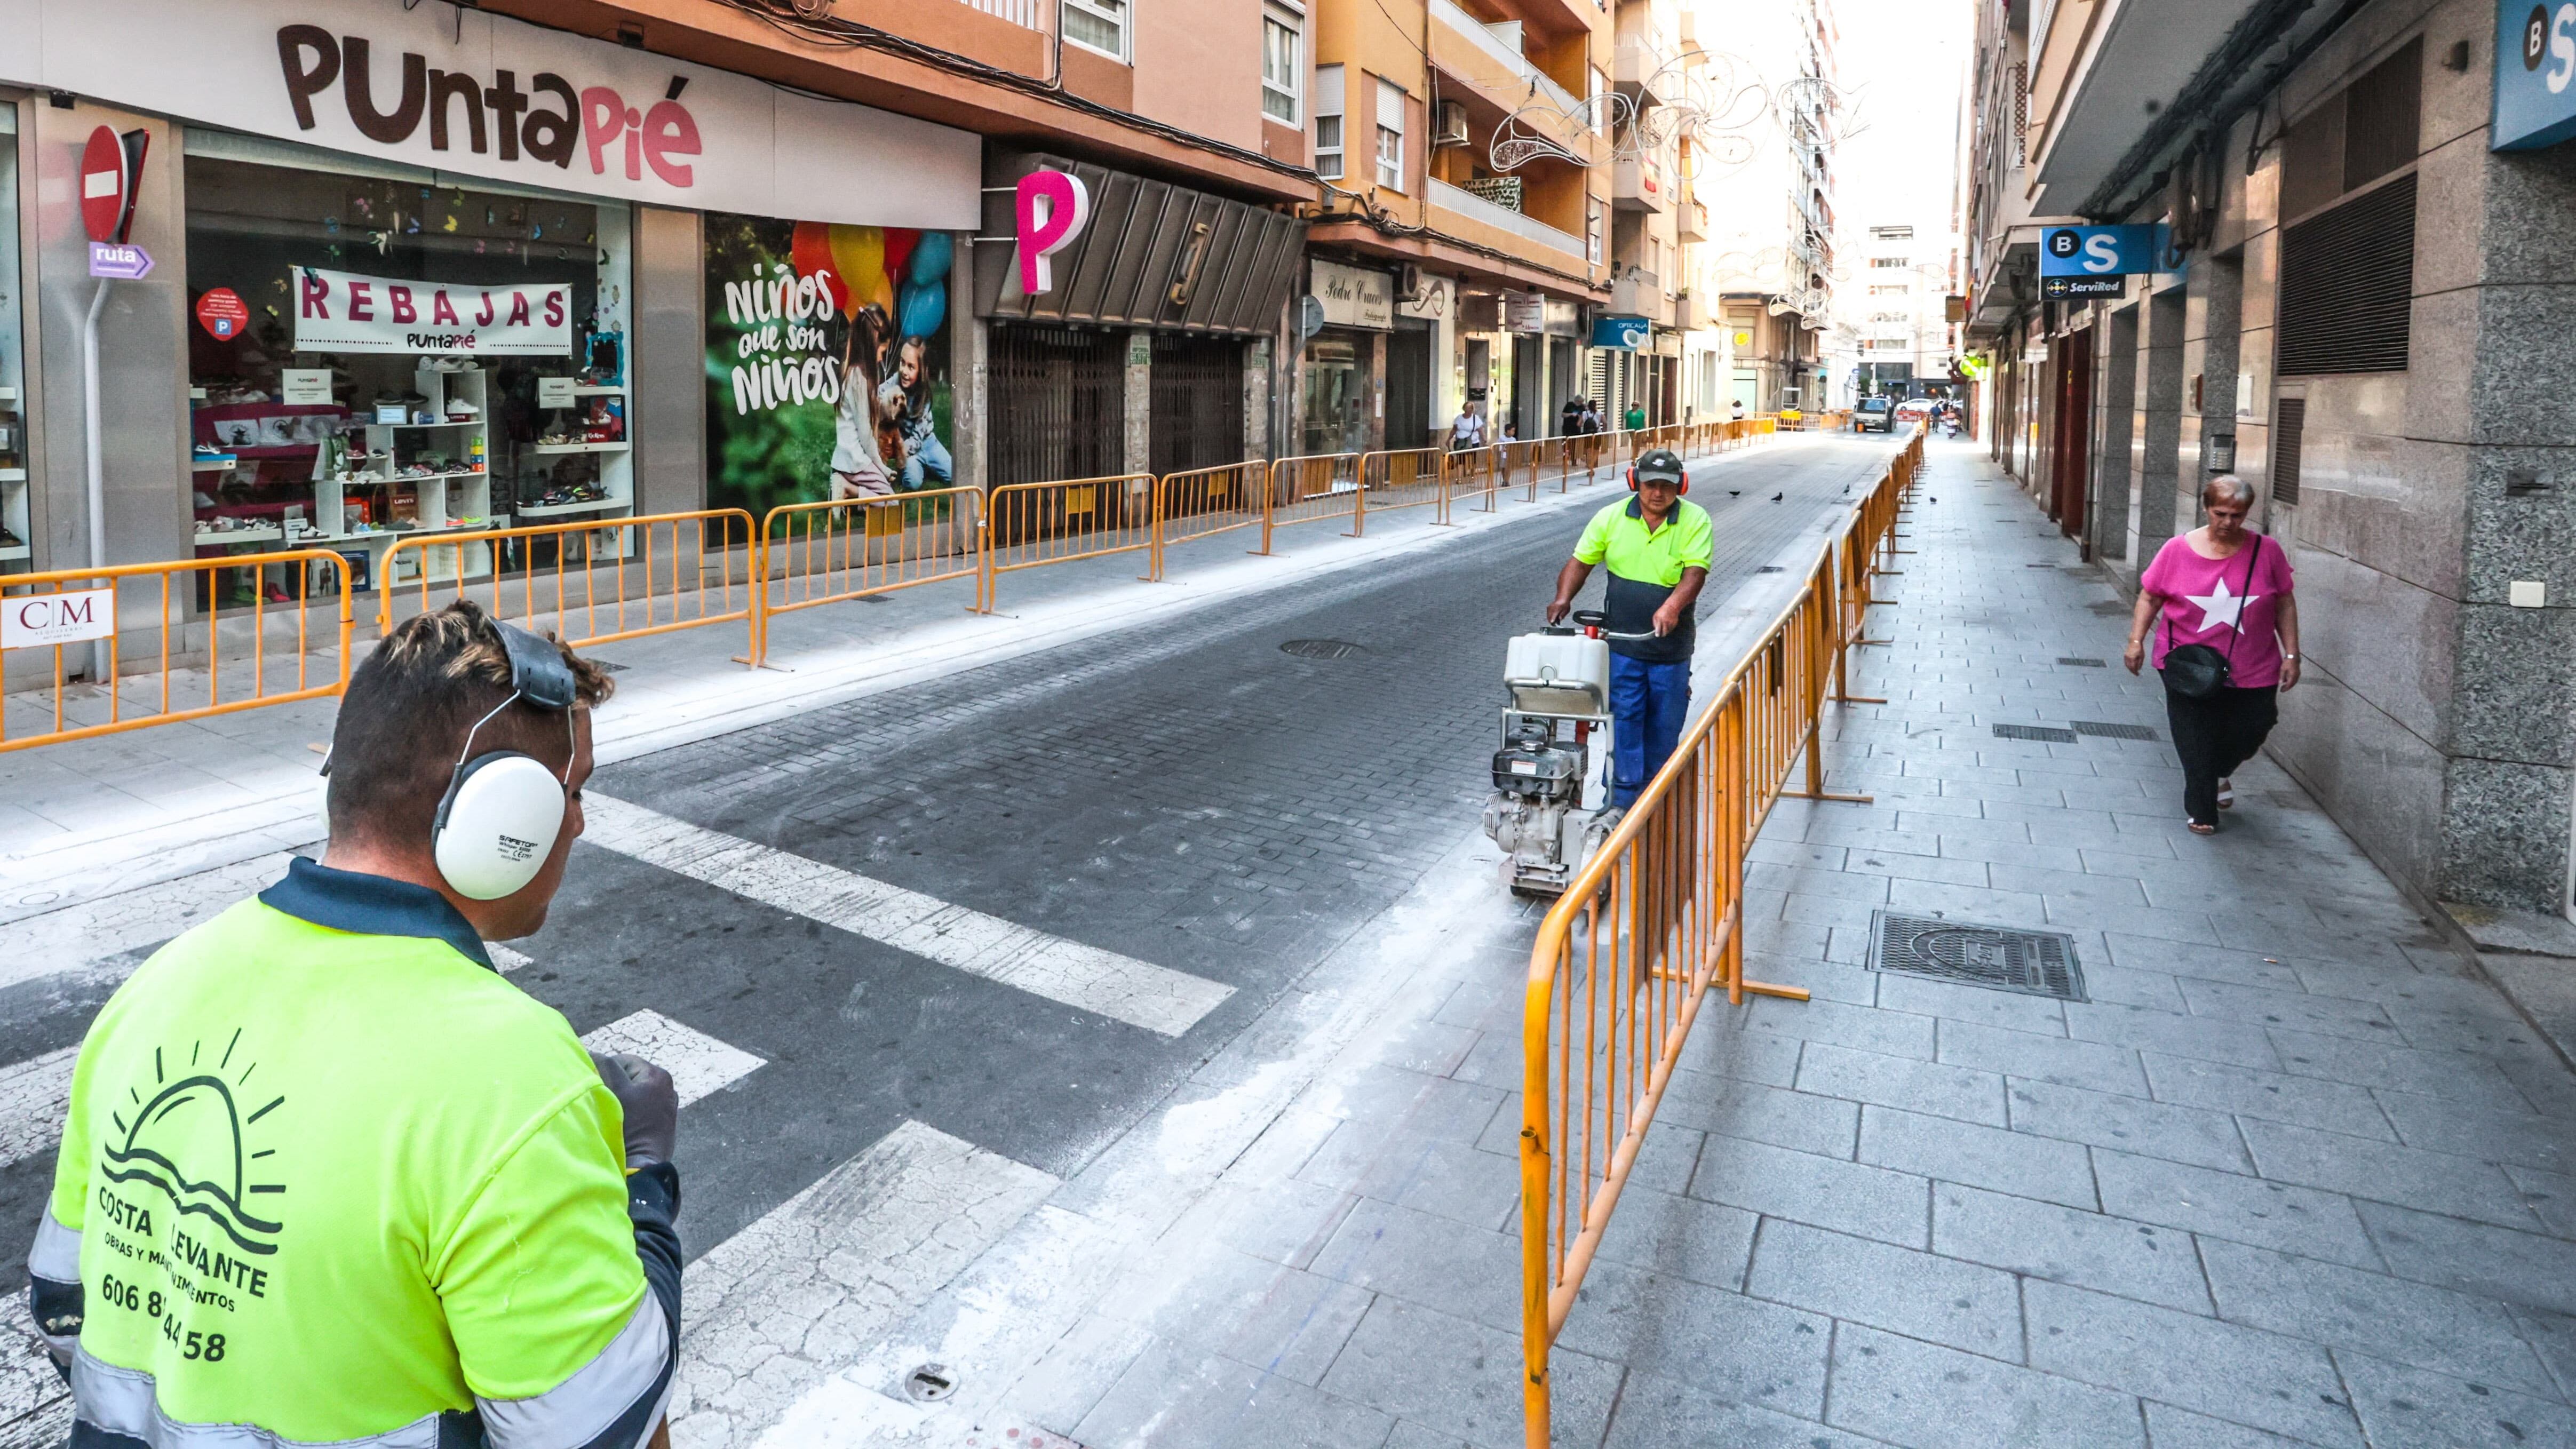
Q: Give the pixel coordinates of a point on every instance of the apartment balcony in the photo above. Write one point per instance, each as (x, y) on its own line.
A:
(1544, 243)
(1486, 58)
(1690, 313)
(1637, 292)
(2101, 78)
(1637, 74)
(1638, 184)
(1692, 220)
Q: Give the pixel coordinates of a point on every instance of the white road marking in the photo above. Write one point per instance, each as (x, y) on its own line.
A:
(698, 1063)
(35, 1404)
(1136, 992)
(504, 959)
(34, 1095)
(808, 1289)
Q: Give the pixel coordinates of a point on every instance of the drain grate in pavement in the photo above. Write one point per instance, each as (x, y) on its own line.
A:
(2039, 566)
(1768, 569)
(2003, 958)
(2107, 607)
(2111, 731)
(1323, 649)
(2048, 734)
(2082, 663)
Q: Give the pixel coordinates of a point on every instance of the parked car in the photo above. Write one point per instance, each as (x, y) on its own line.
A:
(1873, 415)
(1914, 410)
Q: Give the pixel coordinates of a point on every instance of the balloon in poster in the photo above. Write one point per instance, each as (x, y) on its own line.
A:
(925, 306)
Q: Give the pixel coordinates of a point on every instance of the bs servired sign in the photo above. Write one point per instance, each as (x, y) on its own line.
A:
(2535, 63)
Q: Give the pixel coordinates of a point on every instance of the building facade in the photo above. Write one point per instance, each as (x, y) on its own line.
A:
(2366, 247)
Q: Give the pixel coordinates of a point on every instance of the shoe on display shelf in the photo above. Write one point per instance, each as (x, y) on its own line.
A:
(461, 411)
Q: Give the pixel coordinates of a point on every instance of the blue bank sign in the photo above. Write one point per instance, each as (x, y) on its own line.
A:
(2097, 261)
(2535, 61)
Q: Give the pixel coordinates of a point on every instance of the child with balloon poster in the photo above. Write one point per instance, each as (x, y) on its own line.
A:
(827, 362)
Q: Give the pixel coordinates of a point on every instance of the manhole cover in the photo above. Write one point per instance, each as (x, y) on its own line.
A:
(2049, 734)
(929, 1383)
(2082, 663)
(1769, 569)
(2111, 731)
(2004, 958)
(1323, 649)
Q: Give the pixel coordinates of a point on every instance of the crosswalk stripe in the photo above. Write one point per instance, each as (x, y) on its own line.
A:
(698, 1063)
(34, 1094)
(1104, 982)
(806, 1290)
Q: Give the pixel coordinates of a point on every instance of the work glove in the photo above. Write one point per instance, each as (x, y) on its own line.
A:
(650, 1103)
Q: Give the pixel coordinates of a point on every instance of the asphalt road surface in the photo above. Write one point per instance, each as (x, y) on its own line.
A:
(1018, 903)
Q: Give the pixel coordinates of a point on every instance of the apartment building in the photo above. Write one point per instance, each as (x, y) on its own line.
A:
(1462, 248)
(435, 267)
(1768, 185)
(2353, 302)
(1895, 307)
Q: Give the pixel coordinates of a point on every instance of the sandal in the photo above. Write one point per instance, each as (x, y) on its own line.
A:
(2226, 795)
(2199, 829)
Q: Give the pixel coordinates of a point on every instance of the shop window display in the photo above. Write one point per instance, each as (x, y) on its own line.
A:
(377, 358)
(14, 530)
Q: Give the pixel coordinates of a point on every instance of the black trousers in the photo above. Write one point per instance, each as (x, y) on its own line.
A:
(2214, 736)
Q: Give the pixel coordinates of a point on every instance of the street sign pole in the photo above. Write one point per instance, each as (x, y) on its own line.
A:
(110, 166)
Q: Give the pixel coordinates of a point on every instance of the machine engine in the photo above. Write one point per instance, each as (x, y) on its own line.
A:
(1554, 729)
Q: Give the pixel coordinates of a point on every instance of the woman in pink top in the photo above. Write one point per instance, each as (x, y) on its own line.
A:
(2227, 588)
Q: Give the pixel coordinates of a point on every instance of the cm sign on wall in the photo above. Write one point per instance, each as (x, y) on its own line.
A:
(2535, 74)
(2096, 261)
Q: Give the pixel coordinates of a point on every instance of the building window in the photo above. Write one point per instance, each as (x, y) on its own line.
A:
(1892, 233)
(1592, 232)
(1282, 47)
(1099, 25)
(1390, 135)
(1328, 122)
(1887, 261)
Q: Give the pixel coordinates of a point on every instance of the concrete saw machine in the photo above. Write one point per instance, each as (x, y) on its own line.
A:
(1546, 808)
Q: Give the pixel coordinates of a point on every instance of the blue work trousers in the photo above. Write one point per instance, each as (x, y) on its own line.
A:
(1648, 703)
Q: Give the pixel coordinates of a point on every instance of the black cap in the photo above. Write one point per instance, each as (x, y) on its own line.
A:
(1659, 466)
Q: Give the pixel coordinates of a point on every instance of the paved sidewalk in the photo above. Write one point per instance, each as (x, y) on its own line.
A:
(2290, 1176)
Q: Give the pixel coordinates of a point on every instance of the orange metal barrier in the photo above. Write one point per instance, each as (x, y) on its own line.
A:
(823, 553)
(590, 582)
(1651, 924)
(1316, 485)
(1400, 478)
(1471, 473)
(1030, 525)
(1205, 502)
(157, 635)
(1521, 460)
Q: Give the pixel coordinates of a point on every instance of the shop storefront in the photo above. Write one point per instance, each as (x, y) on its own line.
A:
(1130, 320)
(1345, 393)
(430, 271)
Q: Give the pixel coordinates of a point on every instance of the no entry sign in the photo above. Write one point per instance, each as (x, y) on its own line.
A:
(110, 166)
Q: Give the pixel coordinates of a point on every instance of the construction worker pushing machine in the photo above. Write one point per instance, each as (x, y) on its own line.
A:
(1657, 544)
(327, 1176)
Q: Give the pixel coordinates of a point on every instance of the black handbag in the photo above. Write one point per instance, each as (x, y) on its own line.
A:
(2196, 671)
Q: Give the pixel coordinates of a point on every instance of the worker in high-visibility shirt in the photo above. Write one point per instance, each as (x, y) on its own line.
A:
(327, 1176)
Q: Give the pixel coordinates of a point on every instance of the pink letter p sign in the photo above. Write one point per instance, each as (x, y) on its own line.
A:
(1054, 207)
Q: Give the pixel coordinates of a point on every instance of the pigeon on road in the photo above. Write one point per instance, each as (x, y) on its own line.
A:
(1776, 497)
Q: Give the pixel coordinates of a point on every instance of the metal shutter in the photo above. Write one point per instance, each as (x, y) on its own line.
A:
(2347, 283)
(2289, 420)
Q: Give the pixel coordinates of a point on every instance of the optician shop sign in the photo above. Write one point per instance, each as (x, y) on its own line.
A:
(2535, 74)
(460, 90)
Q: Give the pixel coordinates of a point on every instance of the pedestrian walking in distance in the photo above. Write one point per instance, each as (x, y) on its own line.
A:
(2217, 607)
(1467, 430)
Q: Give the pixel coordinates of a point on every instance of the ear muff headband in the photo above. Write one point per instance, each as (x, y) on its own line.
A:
(498, 821)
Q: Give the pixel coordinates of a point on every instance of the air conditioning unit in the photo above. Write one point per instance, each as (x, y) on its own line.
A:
(1408, 284)
(1452, 130)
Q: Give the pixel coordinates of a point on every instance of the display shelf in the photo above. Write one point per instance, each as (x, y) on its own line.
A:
(213, 465)
(13, 475)
(450, 423)
(551, 510)
(600, 389)
(11, 553)
(220, 538)
(374, 480)
(581, 447)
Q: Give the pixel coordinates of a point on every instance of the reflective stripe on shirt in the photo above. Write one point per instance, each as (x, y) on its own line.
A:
(635, 1367)
(123, 1402)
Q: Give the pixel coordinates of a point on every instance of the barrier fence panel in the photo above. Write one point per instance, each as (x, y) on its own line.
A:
(1520, 460)
(1317, 485)
(1204, 502)
(128, 646)
(590, 582)
(1654, 922)
(823, 553)
(1029, 525)
(1400, 478)
(1471, 472)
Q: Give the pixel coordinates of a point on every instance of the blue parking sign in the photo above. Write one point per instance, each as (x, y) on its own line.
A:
(2102, 251)
(2535, 63)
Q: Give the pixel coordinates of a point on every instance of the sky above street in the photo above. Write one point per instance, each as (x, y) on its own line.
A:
(1902, 64)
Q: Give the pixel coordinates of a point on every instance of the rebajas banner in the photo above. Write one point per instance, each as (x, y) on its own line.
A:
(345, 312)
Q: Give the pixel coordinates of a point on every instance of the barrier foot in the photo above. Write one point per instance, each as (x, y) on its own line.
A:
(1857, 699)
(1765, 988)
(1828, 795)
(1873, 641)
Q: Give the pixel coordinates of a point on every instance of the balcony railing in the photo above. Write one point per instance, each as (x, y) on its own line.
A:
(1449, 12)
(1476, 208)
(1033, 14)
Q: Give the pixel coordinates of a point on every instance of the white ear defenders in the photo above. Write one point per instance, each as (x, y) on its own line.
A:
(503, 809)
